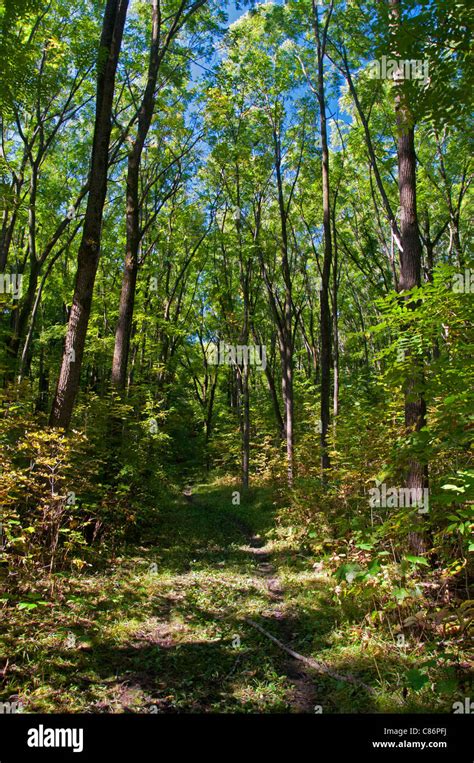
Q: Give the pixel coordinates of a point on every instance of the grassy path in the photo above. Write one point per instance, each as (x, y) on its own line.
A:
(162, 628)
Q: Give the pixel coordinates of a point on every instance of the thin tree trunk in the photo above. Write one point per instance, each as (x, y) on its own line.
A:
(287, 393)
(273, 394)
(244, 372)
(25, 310)
(208, 422)
(129, 282)
(336, 327)
(286, 329)
(245, 426)
(325, 355)
(29, 335)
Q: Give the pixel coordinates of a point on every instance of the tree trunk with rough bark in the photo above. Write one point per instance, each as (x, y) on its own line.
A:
(410, 270)
(89, 249)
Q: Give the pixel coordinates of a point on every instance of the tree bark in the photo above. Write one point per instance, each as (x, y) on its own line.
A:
(325, 355)
(244, 372)
(410, 269)
(89, 249)
(335, 281)
(127, 296)
(286, 327)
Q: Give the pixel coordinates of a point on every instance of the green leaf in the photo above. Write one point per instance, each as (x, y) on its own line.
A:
(401, 594)
(416, 679)
(418, 560)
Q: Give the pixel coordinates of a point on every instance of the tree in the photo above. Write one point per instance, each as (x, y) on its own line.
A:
(89, 250)
(163, 34)
(410, 260)
(321, 38)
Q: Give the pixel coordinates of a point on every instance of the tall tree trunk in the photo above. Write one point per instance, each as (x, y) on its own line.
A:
(244, 372)
(245, 426)
(410, 276)
(127, 296)
(410, 268)
(89, 249)
(325, 355)
(208, 422)
(127, 299)
(275, 402)
(145, 115)
(286, 327)
(286, 352)
(335, 325)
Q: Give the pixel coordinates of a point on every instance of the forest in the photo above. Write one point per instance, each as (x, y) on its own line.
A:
(236, 345)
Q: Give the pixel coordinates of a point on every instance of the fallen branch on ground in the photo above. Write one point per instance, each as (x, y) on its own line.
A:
(319, 666)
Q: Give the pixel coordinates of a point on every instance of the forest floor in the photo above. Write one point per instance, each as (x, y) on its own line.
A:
(165, 626)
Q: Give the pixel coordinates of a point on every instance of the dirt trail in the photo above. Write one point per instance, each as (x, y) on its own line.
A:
(303, 697)
(301, 680)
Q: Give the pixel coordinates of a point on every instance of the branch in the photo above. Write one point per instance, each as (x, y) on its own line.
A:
(320, 667)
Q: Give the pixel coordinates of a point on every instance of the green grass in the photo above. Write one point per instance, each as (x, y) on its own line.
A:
(161, 628)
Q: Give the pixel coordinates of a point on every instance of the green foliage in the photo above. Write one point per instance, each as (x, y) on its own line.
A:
(230, 180)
